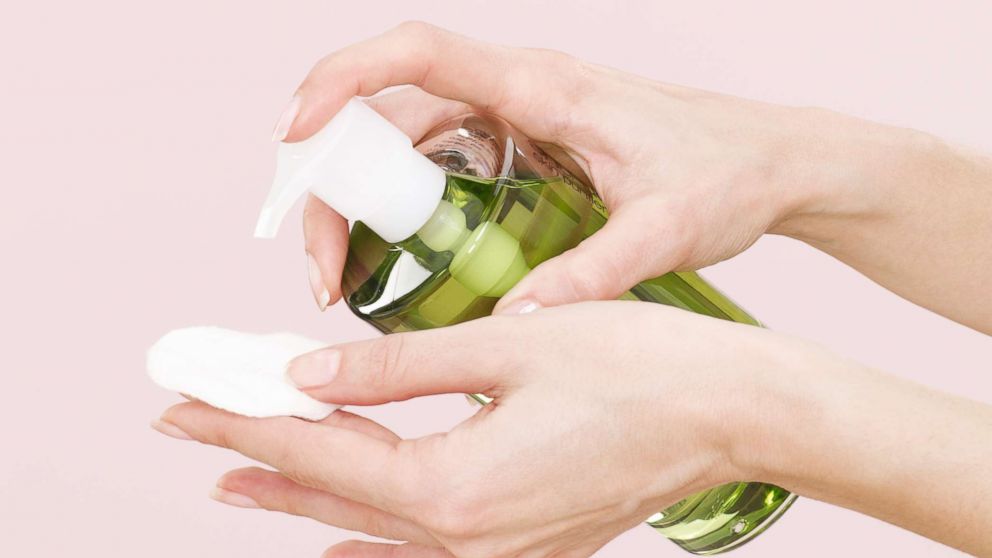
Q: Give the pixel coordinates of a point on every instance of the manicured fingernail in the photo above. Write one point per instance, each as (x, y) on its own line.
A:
(521, 307)
(320, 293)
(286, 120)
(233, 498)
(316, 369)
(170, 430)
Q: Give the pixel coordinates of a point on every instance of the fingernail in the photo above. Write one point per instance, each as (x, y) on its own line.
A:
(521, 307)
(320, 293)
(233, 498)
(170, 430)
(286, 119)
(316, 369)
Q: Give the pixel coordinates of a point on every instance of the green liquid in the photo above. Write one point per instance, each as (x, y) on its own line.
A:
(407, 286)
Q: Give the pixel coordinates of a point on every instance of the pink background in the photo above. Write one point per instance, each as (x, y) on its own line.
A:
(135, 154)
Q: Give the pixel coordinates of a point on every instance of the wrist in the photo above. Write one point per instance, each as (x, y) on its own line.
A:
(787, 404)
(840, 432)
(844, 172)
(816, 416)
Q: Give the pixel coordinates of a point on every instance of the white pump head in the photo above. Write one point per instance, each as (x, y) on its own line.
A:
(363, 167)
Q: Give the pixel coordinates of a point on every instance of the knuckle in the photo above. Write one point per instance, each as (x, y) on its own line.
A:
(301, 462)
(305, 473)
(570, 69)
(322, 62)
(224, 439)
(582, 85)
(592, 280)
(324, 66)
(552, 58)
(457, 517)
(575, 86)
(415, 30)
(387, 361)
(681, 236)
(576, 282)
(373, 524)
(414, 488)
(292, 506)
(456, 510)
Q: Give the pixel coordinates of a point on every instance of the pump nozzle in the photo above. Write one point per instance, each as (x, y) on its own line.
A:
(286, 189)
(364, 168)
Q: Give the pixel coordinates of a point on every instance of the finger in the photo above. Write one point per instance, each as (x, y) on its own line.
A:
(362, 549)
(415, 111)
(339, 460)
(344, 419)
(513, 83)
(474, 357)
(325, 235)
(602, 267)
(275, 492)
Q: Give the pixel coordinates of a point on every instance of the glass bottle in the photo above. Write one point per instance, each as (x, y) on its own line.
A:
(507, 204)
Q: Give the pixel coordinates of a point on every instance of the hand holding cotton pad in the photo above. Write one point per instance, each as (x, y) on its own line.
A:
(243, 373)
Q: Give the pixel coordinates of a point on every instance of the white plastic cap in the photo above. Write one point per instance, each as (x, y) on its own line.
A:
(363, 167)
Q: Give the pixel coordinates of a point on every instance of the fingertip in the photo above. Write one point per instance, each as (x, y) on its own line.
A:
(232, 479)
(170, 430)
(248, 480)
(332, 292)
(516, 306)
(175, 421)
(601, 267)
(233, 498)
(286, 119)
(196, 418)
(175, 412)
(533, 292)
(308, 113)
(344, 549)
(325, 235)
(314, 369)
(521, 295)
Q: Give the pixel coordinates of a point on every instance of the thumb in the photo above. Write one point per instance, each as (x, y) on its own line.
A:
(473, 357)
(626, 251)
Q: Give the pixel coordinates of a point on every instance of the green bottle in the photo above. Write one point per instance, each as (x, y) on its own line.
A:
(437, 240)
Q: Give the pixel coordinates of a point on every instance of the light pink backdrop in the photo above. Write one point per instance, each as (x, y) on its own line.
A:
(135, 155)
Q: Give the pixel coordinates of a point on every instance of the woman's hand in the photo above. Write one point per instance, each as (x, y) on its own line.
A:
(690, 177)
(604, 413)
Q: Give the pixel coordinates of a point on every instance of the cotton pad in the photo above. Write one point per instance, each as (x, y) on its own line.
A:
(243, 373)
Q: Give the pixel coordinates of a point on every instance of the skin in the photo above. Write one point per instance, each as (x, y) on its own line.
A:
(690, 178)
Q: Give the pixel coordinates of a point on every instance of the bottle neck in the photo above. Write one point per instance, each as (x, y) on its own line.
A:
(445, 229)
(487, 261)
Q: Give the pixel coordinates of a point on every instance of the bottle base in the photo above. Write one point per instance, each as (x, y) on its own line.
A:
(723, 518)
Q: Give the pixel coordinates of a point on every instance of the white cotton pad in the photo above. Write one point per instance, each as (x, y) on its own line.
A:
(243, 373)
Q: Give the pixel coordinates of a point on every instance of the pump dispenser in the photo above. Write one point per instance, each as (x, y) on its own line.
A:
(366, 168)
(438, 238)
(363, 167)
